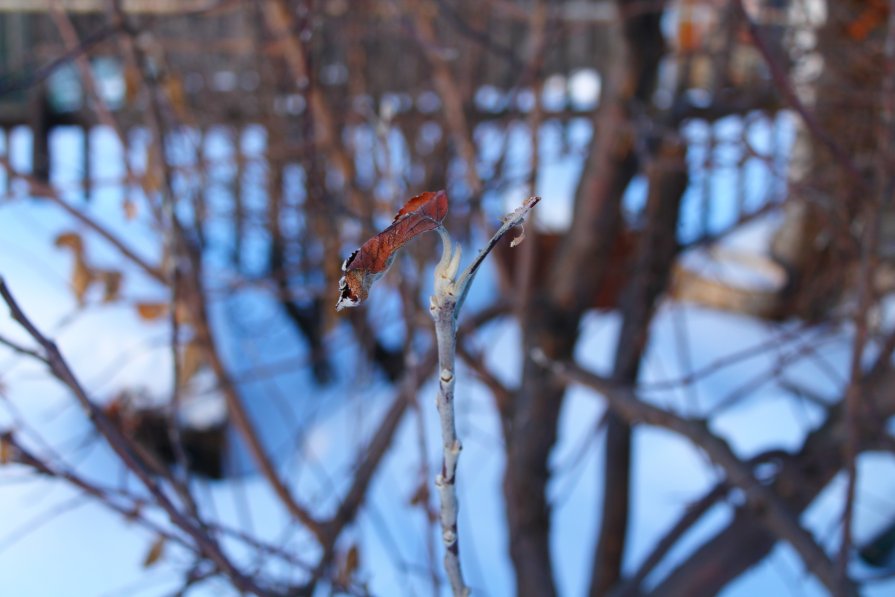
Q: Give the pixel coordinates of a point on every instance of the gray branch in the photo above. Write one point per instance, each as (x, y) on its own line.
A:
(450, 292)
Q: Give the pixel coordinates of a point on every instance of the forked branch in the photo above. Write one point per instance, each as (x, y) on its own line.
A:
(423, 213)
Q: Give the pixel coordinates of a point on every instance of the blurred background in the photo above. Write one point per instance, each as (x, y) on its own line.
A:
(706, 284)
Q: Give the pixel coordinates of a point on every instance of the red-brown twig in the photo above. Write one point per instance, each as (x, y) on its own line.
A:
(125, 451)
(777, 516)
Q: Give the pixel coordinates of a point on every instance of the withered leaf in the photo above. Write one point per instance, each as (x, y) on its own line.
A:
(349, 565)
(420, 214)
(151, 311)
(156, 550)
(70, 240)
(111, 280)
(5, 451)
(81, 276)
(130, 209)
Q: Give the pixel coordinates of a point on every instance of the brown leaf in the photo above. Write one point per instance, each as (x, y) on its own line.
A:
(349, 566)
(156, 550)
(431, 203)
(111, 285)
(151, 311)
(422, 213)
(5, 451)
(70, 240)
(81, 276)
(130, 209)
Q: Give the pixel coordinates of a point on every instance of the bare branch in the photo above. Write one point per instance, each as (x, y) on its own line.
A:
(450, 292)
(122, 448)
(778, 517)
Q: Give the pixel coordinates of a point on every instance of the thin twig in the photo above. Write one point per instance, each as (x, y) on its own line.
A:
(450, 292)
(374, 452)
(778, 517)
(511, 221)
(423, 28)
(784, 85)
(18, 348)
(131, 511)
(39, 189)
(123, 448)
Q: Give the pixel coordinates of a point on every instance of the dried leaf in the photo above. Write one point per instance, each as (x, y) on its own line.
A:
(130, 209)
(81, 276)
(156, 550)
(151, 311)
(111, 285)
(5, 451)
(70, 240)
(422, 213)
(349, 565)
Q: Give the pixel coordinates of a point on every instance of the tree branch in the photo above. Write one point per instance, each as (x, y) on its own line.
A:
(450, 292)
(122, 448)
(777, 516)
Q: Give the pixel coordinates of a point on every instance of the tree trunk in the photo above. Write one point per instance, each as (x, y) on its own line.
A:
(558, 302)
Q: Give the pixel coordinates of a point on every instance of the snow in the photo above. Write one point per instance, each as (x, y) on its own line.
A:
(584, 88)
(317, 433)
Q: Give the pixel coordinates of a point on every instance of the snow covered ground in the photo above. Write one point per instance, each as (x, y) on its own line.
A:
(54, 541)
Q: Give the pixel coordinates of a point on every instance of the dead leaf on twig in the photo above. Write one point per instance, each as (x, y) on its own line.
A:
(420, 214)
